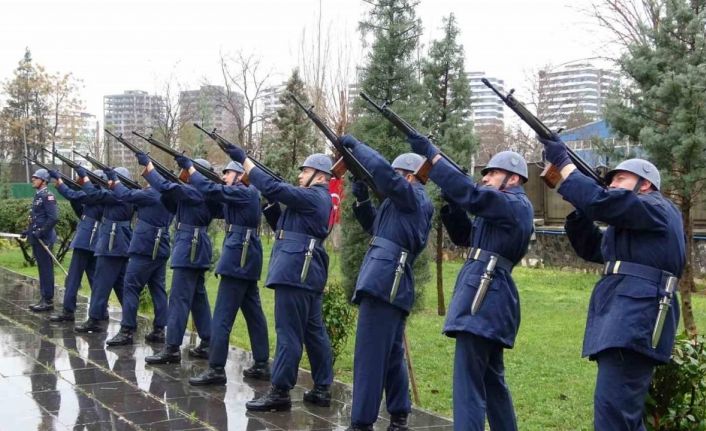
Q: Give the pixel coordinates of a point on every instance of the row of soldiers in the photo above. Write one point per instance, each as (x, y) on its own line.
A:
(642, 249)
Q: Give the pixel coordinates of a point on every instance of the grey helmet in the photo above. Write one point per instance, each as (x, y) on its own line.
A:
(640, 167)
(42, 174)
(123, 171)
(319, 161)
(408, 161)
(205, 163)
(234, 166)
(100, 174)
(508, 161)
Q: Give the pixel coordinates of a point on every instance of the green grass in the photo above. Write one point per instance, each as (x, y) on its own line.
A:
(552, 386)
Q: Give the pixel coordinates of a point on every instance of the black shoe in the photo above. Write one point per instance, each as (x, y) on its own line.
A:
(122, 338)
(360, 428)
(320, 396)
(64, 316)
(42, 305)
(156, 336)
(259, 371)
(398, 422)
(90, 325)
(169, 355)
(212, 376)
(200, 351)
(276, 400)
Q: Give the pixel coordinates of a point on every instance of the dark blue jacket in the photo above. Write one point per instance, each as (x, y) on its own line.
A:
(306, 217)
(89, 215)
(193, 215)
(645, 229)
(44, 215)
(117, 216)
(241, 207)
(503, 225)
(153, 220)
(403, 218)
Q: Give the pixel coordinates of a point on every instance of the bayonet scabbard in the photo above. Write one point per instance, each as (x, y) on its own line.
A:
(111, 242)
(246, 246)
(485, 280)
(399, 272)
(157, 240)
(194, 245)
(664, 305)
(307, 260)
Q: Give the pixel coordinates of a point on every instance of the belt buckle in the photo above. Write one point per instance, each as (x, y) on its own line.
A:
(280, 235)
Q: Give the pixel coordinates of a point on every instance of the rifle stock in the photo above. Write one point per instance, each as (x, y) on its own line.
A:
(161, 169)
(95, 179)
(68, 181)
(99, 165)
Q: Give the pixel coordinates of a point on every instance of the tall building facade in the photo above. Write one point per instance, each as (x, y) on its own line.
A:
(122, 113)
(211, 107)
(574, 93)
(488, 109)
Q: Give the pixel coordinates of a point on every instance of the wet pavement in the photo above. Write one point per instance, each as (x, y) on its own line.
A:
(54, 379)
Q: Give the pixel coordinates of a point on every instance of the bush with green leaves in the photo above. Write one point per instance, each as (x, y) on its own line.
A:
(677, 398)
(339, 316)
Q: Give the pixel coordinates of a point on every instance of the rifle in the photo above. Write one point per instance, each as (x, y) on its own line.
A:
(103, 167)
(203, 170)
(223, 144)
(345, 159)
(160, 168)
(95, 179)
(404, 127)
(66, 179)
(550, 174)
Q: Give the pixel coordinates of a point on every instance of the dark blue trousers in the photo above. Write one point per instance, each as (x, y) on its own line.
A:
(298, 321)
(234, 294)
(109, 275)
(45, 265)
(143, 270)
(479, 386)
(379, 362)
(622, 383)
(188, 294)
(81, 261)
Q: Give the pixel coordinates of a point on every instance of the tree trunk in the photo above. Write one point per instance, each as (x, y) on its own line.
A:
(686, 284)
(440, 307)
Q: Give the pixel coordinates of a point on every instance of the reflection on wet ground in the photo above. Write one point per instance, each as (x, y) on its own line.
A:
(54, 379)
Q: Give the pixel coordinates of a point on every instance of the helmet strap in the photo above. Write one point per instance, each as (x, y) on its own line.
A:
(638, 184)
(311, 178)
(503, 185)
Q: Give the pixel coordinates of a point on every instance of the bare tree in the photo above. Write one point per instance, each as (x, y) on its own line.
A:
(65, 107)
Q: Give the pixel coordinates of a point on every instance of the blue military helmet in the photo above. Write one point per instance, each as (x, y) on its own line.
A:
(100, 174)
(640, 167)
(508, 161)
(234, 166)
(408, 161)
(205, 163)
(123, 171)
(319, 161)
(42, 174)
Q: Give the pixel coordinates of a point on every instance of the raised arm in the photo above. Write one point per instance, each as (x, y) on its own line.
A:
(176, 191)
(585, 237)
(457, 224)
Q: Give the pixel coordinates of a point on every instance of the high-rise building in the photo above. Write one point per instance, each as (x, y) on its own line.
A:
(77, 131)
(270, 100)
(211, 107)
(122, 113)
(574, 93)
(488, 109)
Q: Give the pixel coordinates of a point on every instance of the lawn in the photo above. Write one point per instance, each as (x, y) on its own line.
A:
(551, 384)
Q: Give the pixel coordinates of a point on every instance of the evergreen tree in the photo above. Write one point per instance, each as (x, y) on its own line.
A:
(390, 74)
(448, 116)
(663, 109)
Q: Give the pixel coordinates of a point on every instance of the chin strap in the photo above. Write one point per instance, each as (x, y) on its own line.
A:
(504, 183)
(311, 178)
(638, 184)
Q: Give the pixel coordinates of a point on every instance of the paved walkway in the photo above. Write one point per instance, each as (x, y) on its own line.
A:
(54, 379)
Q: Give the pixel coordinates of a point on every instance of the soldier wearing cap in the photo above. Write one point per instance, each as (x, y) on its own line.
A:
(83, 246)
(484, 314)
(114, 234)
(384, 291)
(191, 258)
(43, 217)
(149, 251)
(239, 269)
(298, 272)
(643, 250)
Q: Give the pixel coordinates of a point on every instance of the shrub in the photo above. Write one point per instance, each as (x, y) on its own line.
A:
(339, 316)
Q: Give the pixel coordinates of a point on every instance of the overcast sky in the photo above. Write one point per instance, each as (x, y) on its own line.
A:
(136, 44)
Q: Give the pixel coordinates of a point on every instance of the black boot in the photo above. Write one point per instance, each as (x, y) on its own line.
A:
(169, 355)
(320, 396)
(64, 316)
(122, 338)
(90, 325)
(42, 305)
(276, 399)
(212, 376)
(360, 428)
(259, 371)
(156, 336)
(398, 422)
(200, 351)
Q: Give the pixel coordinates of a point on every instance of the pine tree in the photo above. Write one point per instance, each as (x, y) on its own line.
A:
(448, 116)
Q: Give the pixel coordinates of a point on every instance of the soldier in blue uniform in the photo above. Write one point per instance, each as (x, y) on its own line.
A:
(83, 245)
(483, 326)
(298, 272)
(643, 250)
(191, 257)
(114, 236)
(385, 287)
(149, 251)
(239, 268)
(41, 235)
